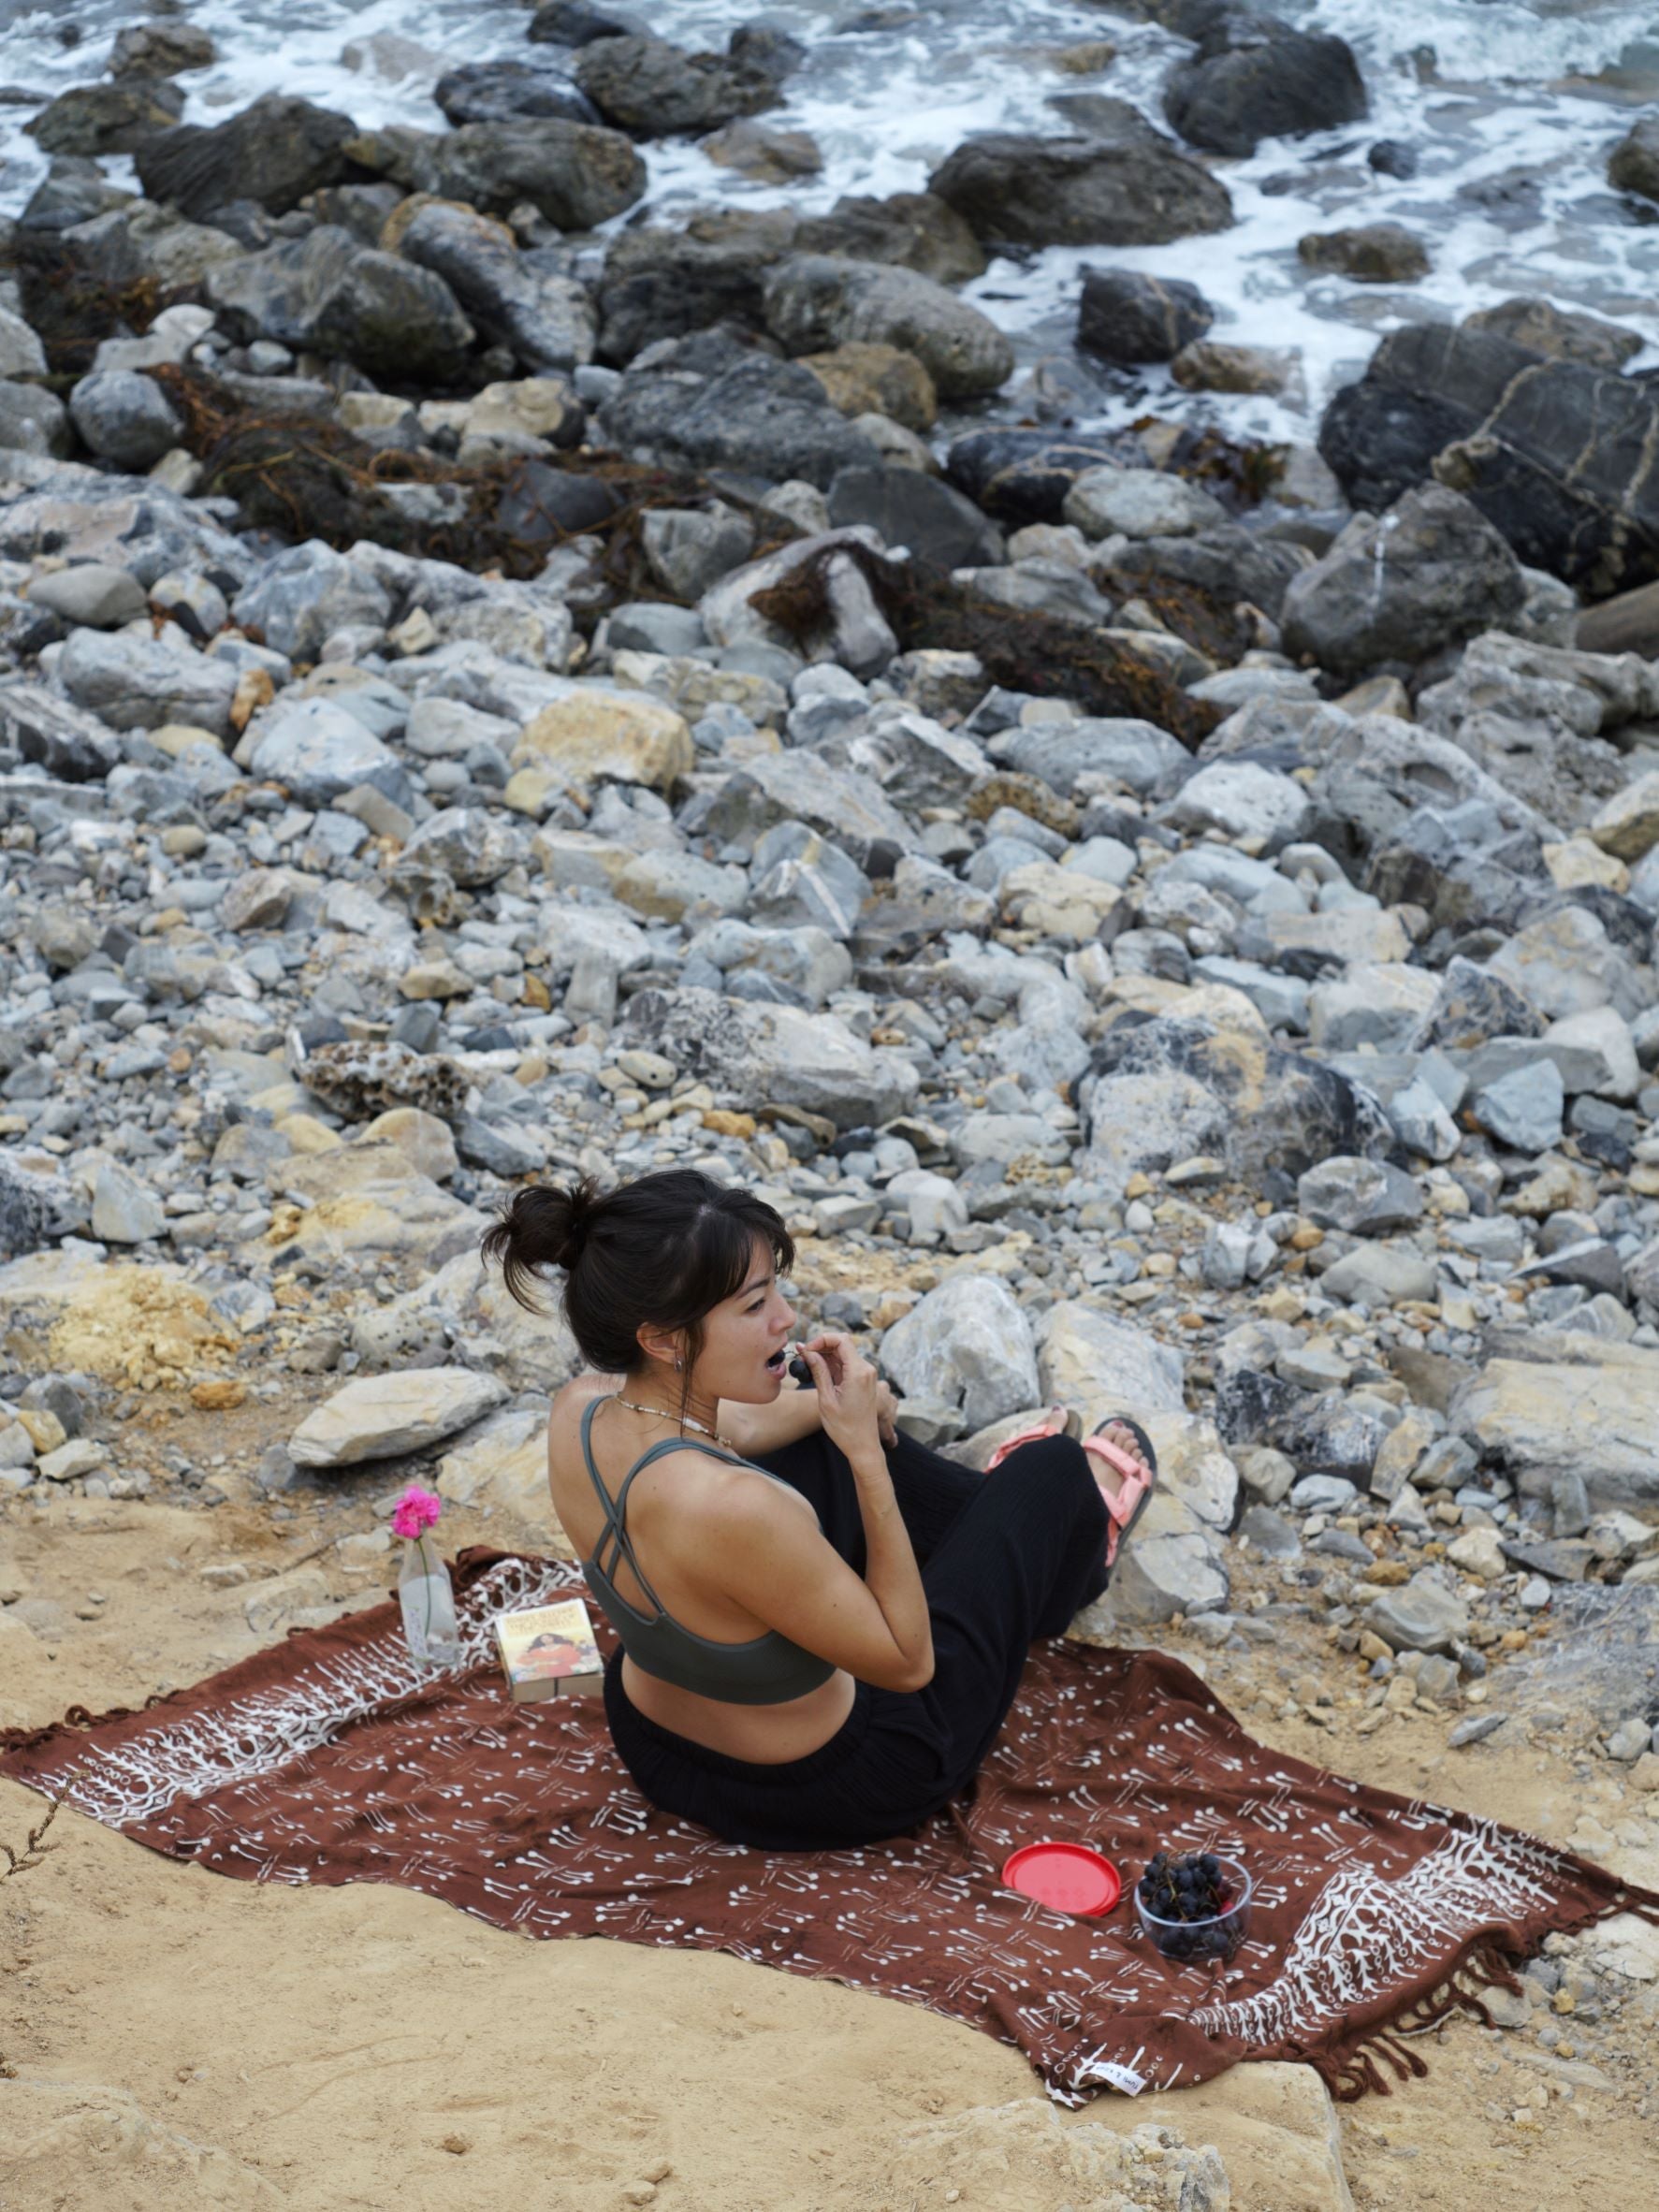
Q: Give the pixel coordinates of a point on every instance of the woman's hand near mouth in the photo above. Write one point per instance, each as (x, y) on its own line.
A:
(847, 1390)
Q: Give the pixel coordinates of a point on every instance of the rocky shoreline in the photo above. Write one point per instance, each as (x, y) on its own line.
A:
(1170, 926)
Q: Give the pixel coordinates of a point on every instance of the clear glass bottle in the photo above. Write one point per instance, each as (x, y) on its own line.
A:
(427, 1603)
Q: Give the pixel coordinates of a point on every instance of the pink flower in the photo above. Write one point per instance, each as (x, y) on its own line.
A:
(415, 1511)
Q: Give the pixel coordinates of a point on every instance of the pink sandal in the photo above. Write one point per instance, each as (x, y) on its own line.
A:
(1135, 1482)
(1061, 1421)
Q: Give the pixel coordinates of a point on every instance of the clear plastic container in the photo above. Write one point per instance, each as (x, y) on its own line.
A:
(1198, 1943)
(427, 1602)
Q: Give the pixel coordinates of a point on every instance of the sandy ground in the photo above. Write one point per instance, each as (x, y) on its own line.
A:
(168, 2038)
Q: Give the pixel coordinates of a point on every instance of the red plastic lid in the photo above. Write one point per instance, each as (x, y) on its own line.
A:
(1067, 1877)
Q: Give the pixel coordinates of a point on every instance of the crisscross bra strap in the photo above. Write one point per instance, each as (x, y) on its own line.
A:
(613, 1530)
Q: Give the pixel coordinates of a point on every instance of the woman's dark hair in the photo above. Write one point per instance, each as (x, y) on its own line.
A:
(661, 1251)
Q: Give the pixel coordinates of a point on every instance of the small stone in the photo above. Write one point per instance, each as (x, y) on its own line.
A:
(81, 1455)
(380, 1416)
(1629, 1740)
(1475, 1729)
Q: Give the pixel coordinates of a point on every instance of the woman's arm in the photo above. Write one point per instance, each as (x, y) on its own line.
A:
(791, 1415)
(754, 1429)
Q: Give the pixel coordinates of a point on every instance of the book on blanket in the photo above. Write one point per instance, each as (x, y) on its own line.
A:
(550, 1652)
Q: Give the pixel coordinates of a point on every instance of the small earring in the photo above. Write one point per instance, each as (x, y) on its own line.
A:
(678, 1362)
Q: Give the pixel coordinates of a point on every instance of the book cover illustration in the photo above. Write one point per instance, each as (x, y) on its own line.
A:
(549, 1651)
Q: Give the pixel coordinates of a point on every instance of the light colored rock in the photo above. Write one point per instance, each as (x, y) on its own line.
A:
(377, 1416)
(595, 735)
(966, 1344)
(1092, 1360)
(1422, 1615)
(1600, 1416)
(125, 1211)
(1627, 826)
(1242, 798)
(1139, 504)
(368, 1198)
(1478, 1552)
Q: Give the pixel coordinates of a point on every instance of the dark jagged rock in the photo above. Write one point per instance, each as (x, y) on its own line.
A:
(1126, 184)
(1473, 1005)
(1634, 163)
(506, 91)
(94, 119)
(576, 174)
(160, 50)
(274, 151)
(574, 23)
(68, 743)
(542, 316)
(815, 301)
(1156, 1087)
(710, 402)
(939, 526)
(1560, 333)
(915, 229)
(1126, 317)
(1254, 77)
(654, 89)
(1228, 563)
(332, 296)
(1373, 254)
(1558, 456)
(668, 284)
(1397, 586)
(1020, 475)
(73, 190)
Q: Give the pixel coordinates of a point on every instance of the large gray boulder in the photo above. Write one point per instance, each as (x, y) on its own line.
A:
(710, 402)
(1126, 184)
(1397, 586)
(773, 1054)
(138, 683)
(329, 294)
(303, 594)
(124, 417)
(1568, 1399)
(543, 317)
(1551, 452)
(127, 521)
(317, 750)
(1163, 1090)
(274, 151)
(654, 89)
(576, 173)
(966, 1345)
(814, 301)
(1254, 77)
(31, 419)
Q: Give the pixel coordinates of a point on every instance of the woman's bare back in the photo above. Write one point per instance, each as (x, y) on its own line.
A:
(667, 1521)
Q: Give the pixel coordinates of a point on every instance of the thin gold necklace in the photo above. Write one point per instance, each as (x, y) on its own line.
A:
(685, 1420)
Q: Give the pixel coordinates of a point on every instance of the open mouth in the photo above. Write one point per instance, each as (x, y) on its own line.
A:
(775, 1363)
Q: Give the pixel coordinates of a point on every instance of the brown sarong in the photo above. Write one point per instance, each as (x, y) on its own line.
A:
(330, 1759)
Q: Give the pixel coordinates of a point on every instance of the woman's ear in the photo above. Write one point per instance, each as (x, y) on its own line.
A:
(661, 1345)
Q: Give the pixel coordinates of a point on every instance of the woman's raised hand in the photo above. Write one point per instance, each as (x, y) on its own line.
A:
(849, 1393)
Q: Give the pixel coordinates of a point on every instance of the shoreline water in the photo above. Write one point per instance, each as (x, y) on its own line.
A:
(886, 106)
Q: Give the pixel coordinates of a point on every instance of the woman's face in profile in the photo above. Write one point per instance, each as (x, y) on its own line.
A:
(745, 1336)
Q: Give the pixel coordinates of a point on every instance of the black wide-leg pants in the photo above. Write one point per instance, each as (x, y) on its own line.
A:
(1005, 1558)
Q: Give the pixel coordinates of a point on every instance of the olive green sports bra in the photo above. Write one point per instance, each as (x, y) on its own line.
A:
(767, 1670)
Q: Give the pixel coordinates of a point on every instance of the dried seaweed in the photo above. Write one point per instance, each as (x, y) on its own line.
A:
(72, 308)
(308, 477)
(1042, 655)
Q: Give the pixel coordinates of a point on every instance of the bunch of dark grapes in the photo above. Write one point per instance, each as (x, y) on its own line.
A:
(1184, 1887)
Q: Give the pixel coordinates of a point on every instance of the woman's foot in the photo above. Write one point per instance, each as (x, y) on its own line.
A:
(1111, 1479)
(1057, 1421)
(1125, 1470)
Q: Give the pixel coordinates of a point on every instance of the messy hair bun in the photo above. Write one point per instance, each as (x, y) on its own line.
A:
(661, 1251)
(545, 1226)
